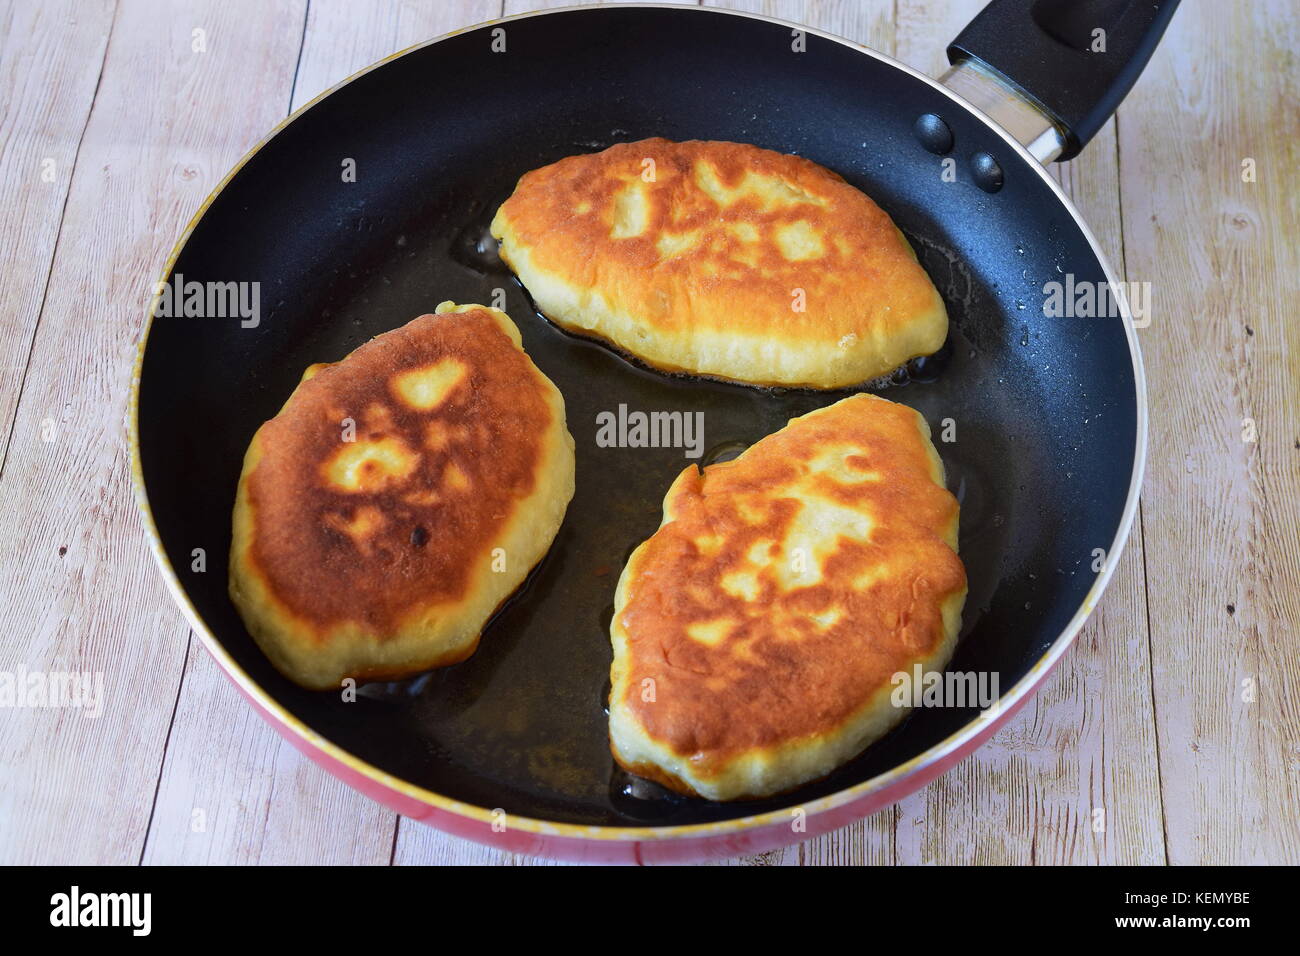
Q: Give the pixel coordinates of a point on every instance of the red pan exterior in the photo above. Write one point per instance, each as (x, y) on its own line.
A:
(683, 849)
(645, 845)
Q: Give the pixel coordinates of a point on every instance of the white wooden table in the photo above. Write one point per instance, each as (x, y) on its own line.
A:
(1177, 712)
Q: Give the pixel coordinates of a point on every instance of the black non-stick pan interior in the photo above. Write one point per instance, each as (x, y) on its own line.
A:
(1043, 408)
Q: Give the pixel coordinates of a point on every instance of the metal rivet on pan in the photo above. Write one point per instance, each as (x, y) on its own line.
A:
(986, 172)
(933, 133)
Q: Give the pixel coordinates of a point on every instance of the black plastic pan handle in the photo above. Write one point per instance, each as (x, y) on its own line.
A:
(1074, 59)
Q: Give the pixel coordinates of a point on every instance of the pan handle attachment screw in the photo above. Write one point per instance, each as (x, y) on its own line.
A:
(933, 133)
(986, 172)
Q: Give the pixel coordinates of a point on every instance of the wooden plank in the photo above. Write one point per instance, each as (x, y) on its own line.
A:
(512, 7)
(233, 791)
(50, 58)
(75, 575)
(344, 36)
(925, 27)
(871, 24)
(1221, 517)
(1086, 741)
(261, 800)
(1110, 765)
(421, 845)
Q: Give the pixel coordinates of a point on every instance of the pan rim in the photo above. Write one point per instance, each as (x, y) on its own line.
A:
(964, 740)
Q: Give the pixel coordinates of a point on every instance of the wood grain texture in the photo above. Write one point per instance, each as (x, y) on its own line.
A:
(1222, 521)
(232, 791)
(872, 24)
(1085, 742)
(317, 819)
(1146, 722)
(344, 36)
(79, 588)
(50, 60)
(512, 7)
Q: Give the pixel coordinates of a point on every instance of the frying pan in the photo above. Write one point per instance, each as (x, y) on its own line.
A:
(1048, 413)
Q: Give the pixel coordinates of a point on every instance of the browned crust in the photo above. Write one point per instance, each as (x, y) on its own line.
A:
(432, 524)
(779, 676)
(865, 281)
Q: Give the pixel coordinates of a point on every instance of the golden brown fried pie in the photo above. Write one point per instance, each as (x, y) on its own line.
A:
(723, 260)
(398, 498)
(757, 633)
